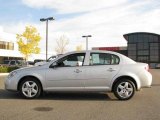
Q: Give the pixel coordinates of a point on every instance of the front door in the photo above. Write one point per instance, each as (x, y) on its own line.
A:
(67, 73)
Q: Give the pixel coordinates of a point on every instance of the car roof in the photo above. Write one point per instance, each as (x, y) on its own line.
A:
(125, 58)
(96, 51)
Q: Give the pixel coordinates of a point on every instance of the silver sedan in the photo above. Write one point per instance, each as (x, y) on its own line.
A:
(91, 71)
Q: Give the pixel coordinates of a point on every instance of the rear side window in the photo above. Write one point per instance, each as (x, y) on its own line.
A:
(103, 59)
(114, 59)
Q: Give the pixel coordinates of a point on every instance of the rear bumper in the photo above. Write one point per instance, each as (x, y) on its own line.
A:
(147, 80)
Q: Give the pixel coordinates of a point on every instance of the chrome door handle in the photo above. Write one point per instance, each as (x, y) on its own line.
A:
(77, 71)
(111, 69)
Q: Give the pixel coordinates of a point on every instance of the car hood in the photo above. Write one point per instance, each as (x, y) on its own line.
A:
(29, 68)
(40, 63)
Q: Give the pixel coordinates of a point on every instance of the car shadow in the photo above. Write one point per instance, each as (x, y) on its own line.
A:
(78, 96)
(4, 94)
(155, 85)
(61, 96)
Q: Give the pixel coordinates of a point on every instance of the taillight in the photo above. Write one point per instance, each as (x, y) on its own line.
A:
(146, 67)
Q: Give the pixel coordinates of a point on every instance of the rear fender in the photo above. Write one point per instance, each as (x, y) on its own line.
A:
(135, 79)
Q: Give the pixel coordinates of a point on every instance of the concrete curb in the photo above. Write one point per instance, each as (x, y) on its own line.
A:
(4, 74)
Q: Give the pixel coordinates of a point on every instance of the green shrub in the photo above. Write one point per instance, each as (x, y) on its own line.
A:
(10, 69)
(3, 69)
(7, 69)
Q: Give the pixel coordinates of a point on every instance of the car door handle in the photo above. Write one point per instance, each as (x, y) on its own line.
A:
(77, 71)
(111, 69)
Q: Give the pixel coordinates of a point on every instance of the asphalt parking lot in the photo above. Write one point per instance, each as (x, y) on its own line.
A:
(145, 105)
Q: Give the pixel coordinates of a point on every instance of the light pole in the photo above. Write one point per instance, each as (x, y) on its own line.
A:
(86, 36)
(42, 20)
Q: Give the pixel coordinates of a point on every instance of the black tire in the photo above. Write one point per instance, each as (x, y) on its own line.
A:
(121, 91)
(34, 86)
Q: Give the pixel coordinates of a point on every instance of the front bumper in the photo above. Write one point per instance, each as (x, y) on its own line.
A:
(10, 84)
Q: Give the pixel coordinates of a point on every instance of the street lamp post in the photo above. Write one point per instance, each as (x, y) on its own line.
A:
(86, 36)
(42, 20)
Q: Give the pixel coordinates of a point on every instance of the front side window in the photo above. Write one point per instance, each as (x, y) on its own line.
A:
(103, 59)
(72, 60)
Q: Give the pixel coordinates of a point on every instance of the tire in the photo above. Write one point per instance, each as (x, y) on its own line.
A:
(124, 89)
(30, 88)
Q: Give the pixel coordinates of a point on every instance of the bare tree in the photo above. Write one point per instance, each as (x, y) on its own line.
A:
(62, 42)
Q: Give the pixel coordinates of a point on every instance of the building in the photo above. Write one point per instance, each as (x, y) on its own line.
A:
(144, 47)
(122, 50)
(141, 47)
(8, 46)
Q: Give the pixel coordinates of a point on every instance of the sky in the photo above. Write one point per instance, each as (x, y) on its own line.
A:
(106, 20)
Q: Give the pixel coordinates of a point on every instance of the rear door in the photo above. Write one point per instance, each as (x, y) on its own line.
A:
(101, 70)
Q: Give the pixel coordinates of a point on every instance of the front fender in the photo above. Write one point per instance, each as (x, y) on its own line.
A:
(39, 75)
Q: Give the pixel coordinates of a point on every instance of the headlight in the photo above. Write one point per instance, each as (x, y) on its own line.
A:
(12, 74)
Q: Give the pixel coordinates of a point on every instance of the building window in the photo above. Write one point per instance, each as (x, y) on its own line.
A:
(143, 58)
(133, 57)
(143, 52)
(131, 46)
(154, 58)
(142, 46)
(153, 38)
(132, 51)
(140, 38)
(154, 52)
(6, 45)
(131, 39)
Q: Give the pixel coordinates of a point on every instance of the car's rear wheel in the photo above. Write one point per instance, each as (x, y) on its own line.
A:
(30, 88)
(124, 89)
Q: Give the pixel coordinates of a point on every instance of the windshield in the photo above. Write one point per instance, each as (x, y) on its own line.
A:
(51, 58)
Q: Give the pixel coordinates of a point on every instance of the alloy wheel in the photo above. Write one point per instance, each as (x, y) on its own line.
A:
(30, 89)
(125, 89)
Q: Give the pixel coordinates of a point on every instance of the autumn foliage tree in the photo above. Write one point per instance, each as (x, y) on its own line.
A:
(61, 44)
(28, 41)
(79, 48)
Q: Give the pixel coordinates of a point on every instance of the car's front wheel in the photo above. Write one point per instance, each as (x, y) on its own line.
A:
(30, 88)
(124, 89)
